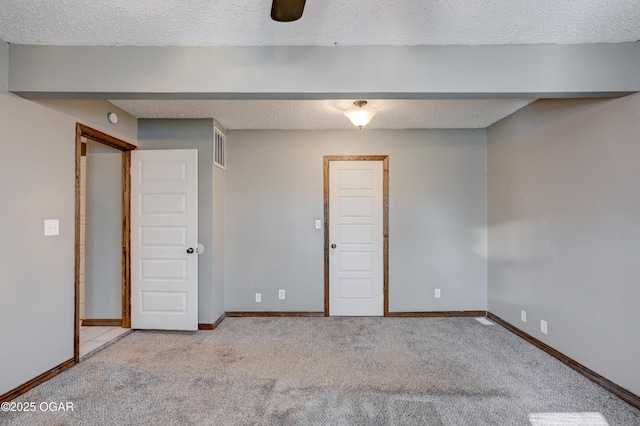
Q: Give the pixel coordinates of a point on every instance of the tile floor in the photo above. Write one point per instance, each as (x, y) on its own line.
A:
(91, 338)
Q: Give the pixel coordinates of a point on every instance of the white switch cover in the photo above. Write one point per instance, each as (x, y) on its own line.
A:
(318, 224)
(258, 297)
(51, 227)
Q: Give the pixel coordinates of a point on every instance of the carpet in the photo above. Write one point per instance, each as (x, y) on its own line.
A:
(322, 371)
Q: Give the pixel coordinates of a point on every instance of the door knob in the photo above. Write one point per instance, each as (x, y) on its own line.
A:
(333, 246)
(190, 250)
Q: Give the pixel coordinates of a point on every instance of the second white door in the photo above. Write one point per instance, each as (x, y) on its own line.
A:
(164, 239)
(356, 239)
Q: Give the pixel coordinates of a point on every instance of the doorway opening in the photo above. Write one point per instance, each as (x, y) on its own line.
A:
(329, 247)
(85, 134)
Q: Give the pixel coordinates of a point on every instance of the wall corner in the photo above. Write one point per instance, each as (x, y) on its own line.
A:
(4, 66)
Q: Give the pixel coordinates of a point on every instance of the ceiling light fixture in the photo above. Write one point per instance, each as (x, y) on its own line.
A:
(360, 116)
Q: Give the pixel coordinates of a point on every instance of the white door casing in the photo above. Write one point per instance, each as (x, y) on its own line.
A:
(356, 238)
(164, 229)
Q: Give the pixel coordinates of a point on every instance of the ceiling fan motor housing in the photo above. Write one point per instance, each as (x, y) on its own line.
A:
(287, 10)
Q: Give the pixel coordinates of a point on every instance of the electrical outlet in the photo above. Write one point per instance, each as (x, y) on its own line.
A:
(258, 297)
(437, 293)
(51, 227)
(281, 294)
(543, 326)
(523, 315)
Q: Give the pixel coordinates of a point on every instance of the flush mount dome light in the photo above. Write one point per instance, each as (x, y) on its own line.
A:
(360, 116)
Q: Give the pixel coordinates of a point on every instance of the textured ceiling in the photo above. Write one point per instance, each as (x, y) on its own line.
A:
(324, 23)
(328, 114)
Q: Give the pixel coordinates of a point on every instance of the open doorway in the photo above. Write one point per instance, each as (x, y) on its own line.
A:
(110, 158)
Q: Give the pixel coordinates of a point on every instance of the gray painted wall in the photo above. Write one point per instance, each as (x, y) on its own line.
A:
(103, 237)
(437, 216)
(94, 113)
(4, 66)
(323, 72)
(37, 182)
(192, 134)
(219, 232)
(563, 234)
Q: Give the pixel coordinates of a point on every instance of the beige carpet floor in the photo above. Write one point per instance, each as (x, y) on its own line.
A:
(324, 371)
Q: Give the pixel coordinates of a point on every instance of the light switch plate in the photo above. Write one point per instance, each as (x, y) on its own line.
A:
(318, 224)
(51, 227)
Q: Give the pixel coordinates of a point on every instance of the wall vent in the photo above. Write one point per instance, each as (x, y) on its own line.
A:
(219, 148)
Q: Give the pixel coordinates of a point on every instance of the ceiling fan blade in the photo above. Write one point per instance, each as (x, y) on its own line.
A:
(287, 10)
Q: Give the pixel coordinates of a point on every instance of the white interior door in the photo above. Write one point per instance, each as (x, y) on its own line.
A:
(164, 239)
(356, 239)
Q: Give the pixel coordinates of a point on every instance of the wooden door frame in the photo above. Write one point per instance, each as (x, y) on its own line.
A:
(126, 148)
(385, 222)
